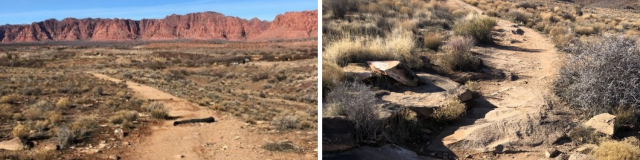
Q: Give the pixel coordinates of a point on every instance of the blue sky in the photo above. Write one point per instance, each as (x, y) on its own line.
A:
(28, 11)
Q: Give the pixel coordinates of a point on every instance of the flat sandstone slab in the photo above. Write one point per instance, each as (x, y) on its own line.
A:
(425, 98)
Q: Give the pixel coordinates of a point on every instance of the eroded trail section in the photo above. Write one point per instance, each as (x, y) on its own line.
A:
(224, 139)
(513, 114)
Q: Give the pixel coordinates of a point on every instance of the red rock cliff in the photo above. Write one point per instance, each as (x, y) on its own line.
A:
(204, 26)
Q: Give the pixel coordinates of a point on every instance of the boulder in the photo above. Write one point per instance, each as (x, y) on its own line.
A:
(604, 123)
(337, 134)
(395, 70)
(14, 144)
(425, 98)
(359, 71)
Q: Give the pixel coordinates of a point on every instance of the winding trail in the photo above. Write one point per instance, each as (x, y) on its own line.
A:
(227, 138)
(512, 115)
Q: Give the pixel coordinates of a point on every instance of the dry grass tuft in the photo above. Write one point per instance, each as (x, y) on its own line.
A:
(432, 41)
(478, 27)
(157, 110)
(63, 103)
(451, 110)
(281, 146)
(123, 116)
(12, 98)
(332, 74)
(20, 131)
(617, 150)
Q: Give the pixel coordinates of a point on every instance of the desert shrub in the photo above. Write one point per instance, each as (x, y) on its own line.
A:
(332, 74)
(97, 91)
(526, 5)
(617, 150)
(54, 117)
(64, 137)
(83, 126)
(12, 98)
(441, 11)
(6, 111)
(307, 124)
(432, 41)
(584, 134)
(32, 91)
(339, 8)
(518, 16)
(123, 116)
(451, 109)
(20, 131)
(359, 105)
(157, 110)
(281, 146)
(584, 30)
(63, 103)
(601, 75)
(477, 27)
(624, 115)
(457, 55)
(33, 113)
(283, 123)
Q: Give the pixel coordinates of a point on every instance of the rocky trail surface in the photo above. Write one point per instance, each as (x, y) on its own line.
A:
(226, 138)
(513, 115)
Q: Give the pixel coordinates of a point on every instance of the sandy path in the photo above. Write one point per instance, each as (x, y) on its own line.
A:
(511, 115)
(227, 138)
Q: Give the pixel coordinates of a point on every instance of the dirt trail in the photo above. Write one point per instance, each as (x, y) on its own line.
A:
(227, 138)
(512, 115)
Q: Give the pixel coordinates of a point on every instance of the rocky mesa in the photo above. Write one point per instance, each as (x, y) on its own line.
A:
(200, 26)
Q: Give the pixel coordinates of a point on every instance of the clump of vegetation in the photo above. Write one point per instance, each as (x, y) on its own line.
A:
(123, 116)
(332, 74)
(83, 126)
(451, 110)
(20, 131)
(584, 134)
(157, 110)
(478, 27)
(601, 75)
(12, 98)
(399, 47)
(622, 150)
(457, 55)
(283, 123)
(64, 137)
(63, 103)
(356, 101)
(432, 41)
(281, 146)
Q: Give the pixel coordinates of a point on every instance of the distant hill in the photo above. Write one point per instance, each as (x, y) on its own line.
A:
(200, 26)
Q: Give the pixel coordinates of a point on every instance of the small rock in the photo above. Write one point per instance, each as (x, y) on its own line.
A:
(179, 156)
(114, 157)
(395, 70)
(225, 147)
(551, 153)
(561, 156)
(119, 133)
(586, 148)
(14, 144)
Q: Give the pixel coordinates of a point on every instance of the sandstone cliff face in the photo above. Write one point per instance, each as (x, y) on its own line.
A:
(202, 26)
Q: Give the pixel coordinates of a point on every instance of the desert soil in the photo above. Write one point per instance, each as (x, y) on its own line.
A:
(227, 138)
(512, 115)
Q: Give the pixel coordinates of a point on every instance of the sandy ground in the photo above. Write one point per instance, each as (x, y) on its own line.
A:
(510, 111)
(227, 138)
